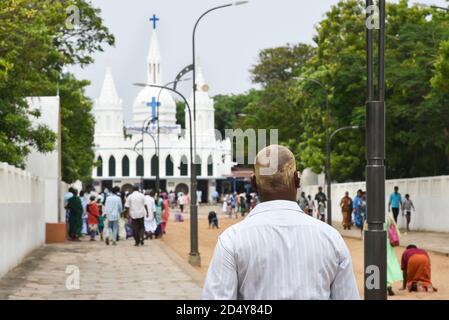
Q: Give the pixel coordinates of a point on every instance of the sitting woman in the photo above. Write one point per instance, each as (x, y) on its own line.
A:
(415, 265)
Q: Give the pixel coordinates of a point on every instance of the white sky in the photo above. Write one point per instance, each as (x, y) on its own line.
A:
(228, 40)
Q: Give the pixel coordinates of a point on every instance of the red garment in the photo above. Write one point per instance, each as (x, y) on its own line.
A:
(166, 212)
(408, 254)
(93, 212)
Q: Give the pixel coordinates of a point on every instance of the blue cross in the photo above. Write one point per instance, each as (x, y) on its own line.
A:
(153, 104)
(154, 19)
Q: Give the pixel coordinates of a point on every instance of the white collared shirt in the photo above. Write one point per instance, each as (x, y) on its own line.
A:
(151, 205)
(113, 207)
(136, 204)
(279, 253)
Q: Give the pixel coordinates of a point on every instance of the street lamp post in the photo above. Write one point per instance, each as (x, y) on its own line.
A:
(327, 165)
(329, 184)
(194, 255)
(375, 236)
(158, 130)
(425, 5)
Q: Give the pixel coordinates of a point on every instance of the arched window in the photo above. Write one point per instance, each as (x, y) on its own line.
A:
(154, 166)
(139, 166)
(184, 166)
(210, 166)
(112, 166)
(169, 166)
(198, 165)
(125, 166)
(100, 167)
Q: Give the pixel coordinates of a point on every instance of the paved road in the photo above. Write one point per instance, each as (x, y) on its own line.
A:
(113, 272)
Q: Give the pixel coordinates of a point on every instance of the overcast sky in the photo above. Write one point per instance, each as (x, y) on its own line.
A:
(228, 40)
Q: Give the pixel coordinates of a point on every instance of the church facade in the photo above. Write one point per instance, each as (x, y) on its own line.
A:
(126, 156)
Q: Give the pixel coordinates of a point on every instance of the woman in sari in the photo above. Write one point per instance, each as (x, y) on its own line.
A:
(394, 272)
(165, 212)
(158, 215)
(415, 264)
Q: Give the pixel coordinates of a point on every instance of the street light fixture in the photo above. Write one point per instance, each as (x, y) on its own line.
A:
(327, 166)
(431, 6)
(194, 255)
(329, 184)
(159, 131)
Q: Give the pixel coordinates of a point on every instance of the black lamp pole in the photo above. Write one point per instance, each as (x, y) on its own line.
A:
(375, 236)
(194, 255)
(158, 128)
(195, 259)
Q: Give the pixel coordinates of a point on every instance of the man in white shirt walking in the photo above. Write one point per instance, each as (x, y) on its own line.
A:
(113, 208)
(135, 206)
(278, 252)
(150, 218)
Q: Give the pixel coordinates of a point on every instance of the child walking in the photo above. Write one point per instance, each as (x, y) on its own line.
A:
(93, 214)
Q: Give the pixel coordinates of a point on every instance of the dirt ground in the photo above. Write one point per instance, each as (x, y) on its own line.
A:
(177, 238)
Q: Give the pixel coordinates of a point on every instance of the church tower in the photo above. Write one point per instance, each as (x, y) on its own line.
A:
(205, 113)
(149, 99)
(108, 112)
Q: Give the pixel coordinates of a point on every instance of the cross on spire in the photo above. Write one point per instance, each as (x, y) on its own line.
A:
(154, 19)
(153, 104)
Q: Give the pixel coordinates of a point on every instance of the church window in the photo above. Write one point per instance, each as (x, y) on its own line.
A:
(139, 166)
(184, 166)
(210, 166)
(154, 166)
(100, 167)
(169, 166)
(125, 166)
(198, 165)
(112, 166)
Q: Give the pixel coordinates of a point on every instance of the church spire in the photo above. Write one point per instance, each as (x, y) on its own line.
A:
(108, 93)
(154, 58)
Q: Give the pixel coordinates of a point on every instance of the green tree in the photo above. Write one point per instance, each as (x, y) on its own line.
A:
(35, 44)
(78, 127)
(416, 99)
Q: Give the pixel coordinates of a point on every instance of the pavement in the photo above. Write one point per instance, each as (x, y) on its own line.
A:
(434, 242)
(151, 272)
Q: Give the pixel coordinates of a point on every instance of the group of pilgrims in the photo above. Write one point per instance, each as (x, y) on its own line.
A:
(110, 216)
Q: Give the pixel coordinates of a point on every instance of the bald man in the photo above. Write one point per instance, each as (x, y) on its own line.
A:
(278, 252)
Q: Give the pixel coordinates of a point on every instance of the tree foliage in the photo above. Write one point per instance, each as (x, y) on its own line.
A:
(36, 43)
(417, 92)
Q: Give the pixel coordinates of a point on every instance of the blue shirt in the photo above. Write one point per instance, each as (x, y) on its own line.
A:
(113, 207)
(395, 200)
(356, 204)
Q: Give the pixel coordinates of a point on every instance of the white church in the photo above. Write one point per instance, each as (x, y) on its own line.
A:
(125, 160)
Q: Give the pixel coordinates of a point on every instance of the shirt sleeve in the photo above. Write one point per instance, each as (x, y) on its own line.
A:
(221, 280)
(344, 286)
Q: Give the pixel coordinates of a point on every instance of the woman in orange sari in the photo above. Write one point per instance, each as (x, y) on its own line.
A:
(165, 212)
(416, 267)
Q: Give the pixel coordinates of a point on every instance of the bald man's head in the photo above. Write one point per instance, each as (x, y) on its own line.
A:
(275, 174)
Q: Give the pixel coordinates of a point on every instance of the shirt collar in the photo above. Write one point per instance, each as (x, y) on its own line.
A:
(275, 205)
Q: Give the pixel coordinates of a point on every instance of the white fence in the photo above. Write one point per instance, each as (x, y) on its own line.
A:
(429, 195)
(22, 217)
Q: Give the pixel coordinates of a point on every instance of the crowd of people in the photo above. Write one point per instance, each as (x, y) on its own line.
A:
(288, 245)
(112, 215)
(235, 203)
